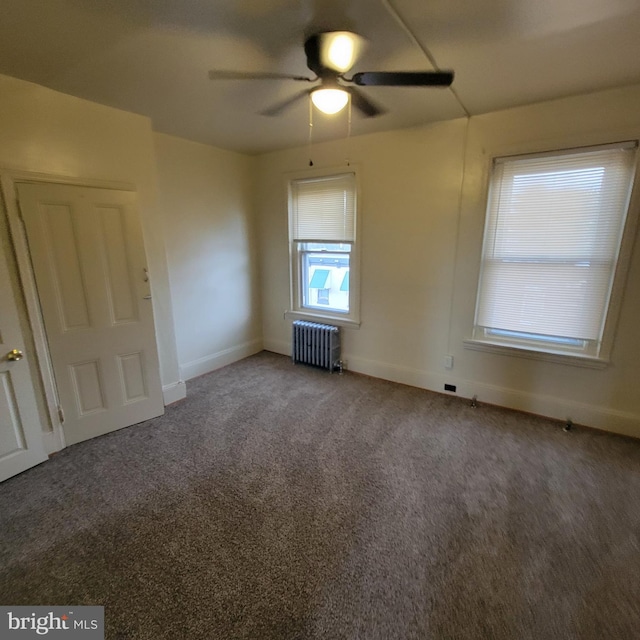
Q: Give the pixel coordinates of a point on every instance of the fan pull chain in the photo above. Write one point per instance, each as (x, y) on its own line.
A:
(349, 132)
(310, 130)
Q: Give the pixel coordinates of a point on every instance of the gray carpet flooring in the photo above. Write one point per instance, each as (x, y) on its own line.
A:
(279, 501)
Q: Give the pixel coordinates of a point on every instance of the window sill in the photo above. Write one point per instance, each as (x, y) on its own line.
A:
(590, 362)
(319, 317)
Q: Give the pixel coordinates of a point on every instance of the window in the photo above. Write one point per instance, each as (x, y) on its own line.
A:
(323, 246)
(552, 239)
(323, 296)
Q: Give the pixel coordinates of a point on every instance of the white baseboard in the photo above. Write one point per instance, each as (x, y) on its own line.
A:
(395, 373)
(174, 392)
(278, 346)
(214, 361)
(52, 441)
(604, 418)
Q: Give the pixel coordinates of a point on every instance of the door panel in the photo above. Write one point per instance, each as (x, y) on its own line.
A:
(90, 269)
(132, 376)
(88, 387)
(11, 435)
(58, 226)
(122, 300)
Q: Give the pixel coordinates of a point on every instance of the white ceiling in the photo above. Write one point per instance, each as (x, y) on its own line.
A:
(152, 57)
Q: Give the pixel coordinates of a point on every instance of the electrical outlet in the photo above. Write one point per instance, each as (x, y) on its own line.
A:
(448, 362)
(450, 387)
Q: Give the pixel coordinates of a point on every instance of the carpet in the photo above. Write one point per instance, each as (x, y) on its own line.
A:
(279, 501)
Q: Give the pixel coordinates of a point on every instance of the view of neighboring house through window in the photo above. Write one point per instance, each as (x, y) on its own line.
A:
(323, 237)
(553, 234)
(325, 267)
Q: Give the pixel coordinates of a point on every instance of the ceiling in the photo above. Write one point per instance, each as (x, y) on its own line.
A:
(152, 57)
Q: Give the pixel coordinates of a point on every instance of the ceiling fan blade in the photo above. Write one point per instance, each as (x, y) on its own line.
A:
(278, 108)
(249, 75)
(363, 104)
(403, 78)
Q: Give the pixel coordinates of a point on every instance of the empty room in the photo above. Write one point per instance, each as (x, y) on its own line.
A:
(319, 319)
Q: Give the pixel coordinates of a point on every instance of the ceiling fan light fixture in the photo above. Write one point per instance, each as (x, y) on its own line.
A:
(339, 50)
(330, 101)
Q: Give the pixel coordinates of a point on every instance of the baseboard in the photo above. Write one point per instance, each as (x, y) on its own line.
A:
(278, 346)
(606, 419)
(394, 373)
(214, 361)
(621, 422)
(174, 392)
(52, 441)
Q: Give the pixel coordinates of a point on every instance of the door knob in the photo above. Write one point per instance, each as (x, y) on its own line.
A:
(15, 354)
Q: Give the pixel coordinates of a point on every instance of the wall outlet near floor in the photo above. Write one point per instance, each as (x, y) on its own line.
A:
(448, 362)
(450, 387)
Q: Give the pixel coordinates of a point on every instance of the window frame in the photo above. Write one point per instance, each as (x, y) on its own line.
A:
(298, 309)
(485, 339)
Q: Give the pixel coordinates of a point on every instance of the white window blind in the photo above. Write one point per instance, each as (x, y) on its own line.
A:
(552, 237)
(324, 208)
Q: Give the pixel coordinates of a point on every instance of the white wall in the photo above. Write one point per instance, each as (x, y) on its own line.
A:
(421, 240)
(51, 133)
(206, 196)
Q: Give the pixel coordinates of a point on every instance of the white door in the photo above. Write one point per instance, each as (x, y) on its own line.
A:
(90, 269)
(21, 444)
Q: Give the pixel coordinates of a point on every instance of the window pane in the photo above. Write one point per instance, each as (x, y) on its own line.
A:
(323, 274)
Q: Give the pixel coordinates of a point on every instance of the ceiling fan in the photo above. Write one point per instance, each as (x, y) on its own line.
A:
(330, 55)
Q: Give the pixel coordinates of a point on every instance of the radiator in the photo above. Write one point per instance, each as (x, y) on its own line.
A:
(316, 344)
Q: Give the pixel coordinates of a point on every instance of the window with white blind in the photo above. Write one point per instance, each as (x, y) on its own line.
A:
(322, 230)
(553, 234)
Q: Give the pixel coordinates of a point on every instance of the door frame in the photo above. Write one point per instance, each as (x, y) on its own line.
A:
(53, 440)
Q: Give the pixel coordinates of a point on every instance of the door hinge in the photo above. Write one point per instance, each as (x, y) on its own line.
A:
(61, 414)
